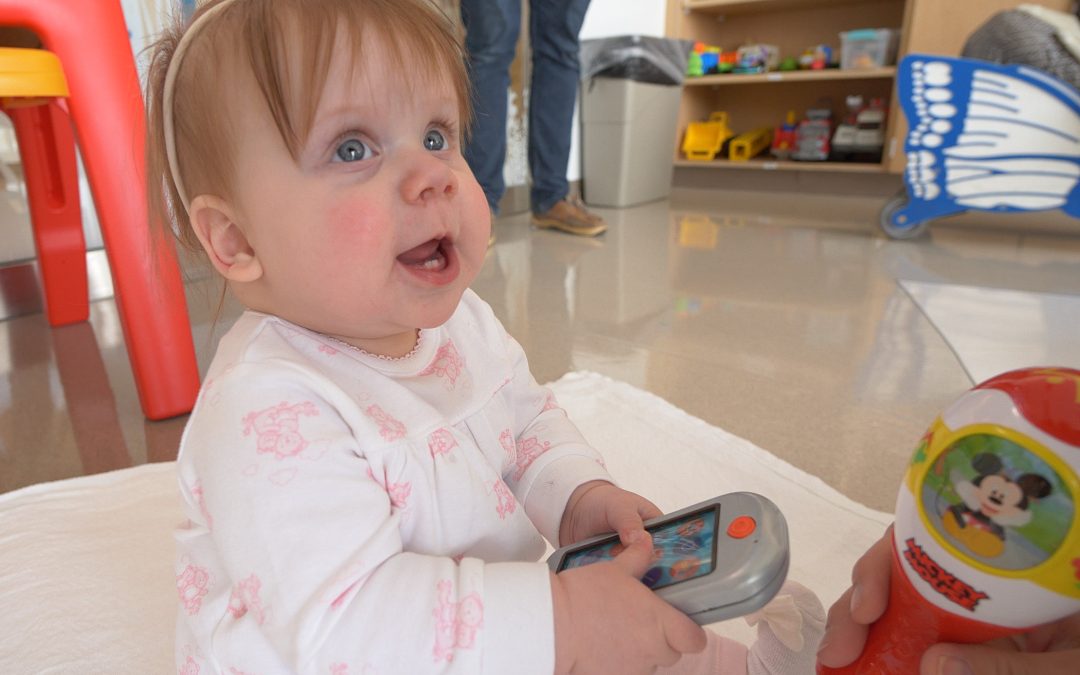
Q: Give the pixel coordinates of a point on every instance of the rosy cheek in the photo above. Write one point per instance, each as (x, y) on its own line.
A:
(352, 223)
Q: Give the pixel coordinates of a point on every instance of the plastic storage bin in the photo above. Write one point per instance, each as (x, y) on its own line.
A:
(868, 48)
(631, 91)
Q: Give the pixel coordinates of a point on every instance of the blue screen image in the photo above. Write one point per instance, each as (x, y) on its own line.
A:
(683, 549)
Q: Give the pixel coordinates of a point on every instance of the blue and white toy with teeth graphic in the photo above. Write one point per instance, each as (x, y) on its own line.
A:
(984, 137)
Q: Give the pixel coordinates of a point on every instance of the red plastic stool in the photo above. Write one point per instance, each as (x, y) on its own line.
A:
(31, 82)
(105, 103)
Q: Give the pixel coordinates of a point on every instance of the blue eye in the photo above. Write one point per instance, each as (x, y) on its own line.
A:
(434, 140)
(352, 150)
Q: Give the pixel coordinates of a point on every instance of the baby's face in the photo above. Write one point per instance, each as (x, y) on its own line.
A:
(380, 226)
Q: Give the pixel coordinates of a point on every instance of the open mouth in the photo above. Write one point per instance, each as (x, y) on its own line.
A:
(430, 256)
(433, 260)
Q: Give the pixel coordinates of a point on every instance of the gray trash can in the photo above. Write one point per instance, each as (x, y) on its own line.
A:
(631, 90)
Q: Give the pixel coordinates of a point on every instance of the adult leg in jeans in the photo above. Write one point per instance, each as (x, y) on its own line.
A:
(492, 29)
(553, 29)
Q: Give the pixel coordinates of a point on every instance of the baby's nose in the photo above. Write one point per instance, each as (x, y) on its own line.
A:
(428, 177)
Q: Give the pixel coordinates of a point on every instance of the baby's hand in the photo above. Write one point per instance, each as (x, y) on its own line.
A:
(598, 507)
(607, 621)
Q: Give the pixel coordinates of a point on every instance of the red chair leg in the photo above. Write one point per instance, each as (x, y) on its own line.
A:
(47, 149)
(91, 40)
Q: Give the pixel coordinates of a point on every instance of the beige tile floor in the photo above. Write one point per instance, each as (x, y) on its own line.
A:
(776, 318)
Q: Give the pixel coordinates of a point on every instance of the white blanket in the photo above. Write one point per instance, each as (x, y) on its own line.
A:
(86, 582)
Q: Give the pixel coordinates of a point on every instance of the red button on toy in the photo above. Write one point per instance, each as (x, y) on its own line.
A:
(741, 527)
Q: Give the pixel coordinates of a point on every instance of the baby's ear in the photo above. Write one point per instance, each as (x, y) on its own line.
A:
(224, 241)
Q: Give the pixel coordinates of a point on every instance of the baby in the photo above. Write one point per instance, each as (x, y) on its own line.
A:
(370, 470)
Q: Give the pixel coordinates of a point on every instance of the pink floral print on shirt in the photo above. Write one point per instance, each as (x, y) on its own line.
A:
(189, 667)
(441, 442)
(506, 440)
(390, 428)
(278, 428)
(192, 585)
(245, 598)
(550, 403)
(200, 500)
(506, 504)
(448, 363)
(398, 492)
(456, 623)
(527, 452)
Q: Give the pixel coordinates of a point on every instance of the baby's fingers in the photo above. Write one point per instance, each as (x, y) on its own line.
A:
(637, 557)
(682, 634)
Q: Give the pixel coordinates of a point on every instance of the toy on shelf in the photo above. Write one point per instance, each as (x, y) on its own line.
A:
(705, 59)
(726, 62)
(812, 136)
(818, 57)
(694, 64)
(757, 58)
(704, 140)
(783, 139)
(749, 144)
(861, 135)
(987, 540)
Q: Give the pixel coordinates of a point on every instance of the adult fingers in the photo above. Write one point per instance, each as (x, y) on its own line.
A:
(844, 637)
(950, 659)
(870, 581)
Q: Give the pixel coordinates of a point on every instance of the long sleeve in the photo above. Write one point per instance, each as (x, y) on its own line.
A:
(294, 560)
(552, 458)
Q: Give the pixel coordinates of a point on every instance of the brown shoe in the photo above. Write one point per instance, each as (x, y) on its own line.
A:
(570, 216)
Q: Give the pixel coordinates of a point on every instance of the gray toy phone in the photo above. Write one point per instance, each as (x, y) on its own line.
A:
(719, 559)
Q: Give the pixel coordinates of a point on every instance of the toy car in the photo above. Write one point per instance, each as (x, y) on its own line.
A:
(812, 136)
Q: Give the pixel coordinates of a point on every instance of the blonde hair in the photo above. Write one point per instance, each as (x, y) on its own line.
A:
(286, 47)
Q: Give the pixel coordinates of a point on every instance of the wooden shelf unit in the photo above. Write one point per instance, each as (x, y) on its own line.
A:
(736, 7)
(757, 100)
(886, 73)
(926, 26)
(765, 163)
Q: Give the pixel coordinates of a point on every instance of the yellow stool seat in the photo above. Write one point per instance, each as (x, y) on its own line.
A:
(31, 73)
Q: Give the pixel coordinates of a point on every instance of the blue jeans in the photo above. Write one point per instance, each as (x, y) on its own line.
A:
(492, 28)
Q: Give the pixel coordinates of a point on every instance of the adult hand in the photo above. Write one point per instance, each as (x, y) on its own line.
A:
(598, 507)
(607, 621)
(1052, 649)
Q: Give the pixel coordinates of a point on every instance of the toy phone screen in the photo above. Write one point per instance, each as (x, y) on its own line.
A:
(684, 549)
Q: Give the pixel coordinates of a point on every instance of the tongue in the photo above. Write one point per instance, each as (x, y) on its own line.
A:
(420, 254)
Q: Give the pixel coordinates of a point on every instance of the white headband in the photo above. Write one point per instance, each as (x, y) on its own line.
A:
(167, 99)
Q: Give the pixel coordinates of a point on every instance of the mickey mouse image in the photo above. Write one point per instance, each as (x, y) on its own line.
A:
(992, 502)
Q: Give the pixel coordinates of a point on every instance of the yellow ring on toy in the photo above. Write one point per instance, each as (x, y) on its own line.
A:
(1059, 571)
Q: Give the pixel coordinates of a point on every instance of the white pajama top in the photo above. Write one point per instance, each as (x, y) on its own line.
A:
(352, 515)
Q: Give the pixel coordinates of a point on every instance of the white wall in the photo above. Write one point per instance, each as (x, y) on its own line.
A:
(624, 17)
(607, 18)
